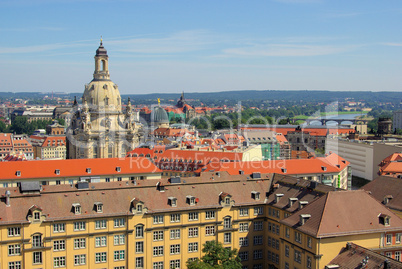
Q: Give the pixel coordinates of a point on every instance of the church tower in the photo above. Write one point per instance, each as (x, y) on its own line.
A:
(99, 128)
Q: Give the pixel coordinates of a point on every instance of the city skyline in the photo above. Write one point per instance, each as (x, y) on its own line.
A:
(163, 46)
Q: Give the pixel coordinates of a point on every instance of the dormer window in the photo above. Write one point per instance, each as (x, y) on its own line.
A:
(283, 170)
(18, 173)
(384, 219)
(57, 172)
(255, 195)
(304, 218)
(292, 200)
(88, 170)
(160, 187)
(278, 197)
(139, 208)
(227, 201)
(387, 199)
(324, 168)
(191, 200)
(172, 201)
(118, 169)
(99, 207)
(302, 204)
(77, 208)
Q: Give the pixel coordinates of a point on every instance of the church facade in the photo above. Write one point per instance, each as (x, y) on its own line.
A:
(99, 128)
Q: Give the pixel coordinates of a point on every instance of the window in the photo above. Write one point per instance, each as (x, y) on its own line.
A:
(308, 262)
(175, 249)
(298, 237)
(120, 222)
(14, 231)
(227, 200)
(286, 265)
(193, 232)
(243, 255)
(192, 216)
(210, 215)
(227, 224)
(36, 216)
(243, 212)
(227, 238)
(157, 265)
(158, 219)
(100, 224)
(119, 255)
(258, 210)
(100, 257)
(139, 247)
(14, 250)
(297, 256)
(209, 230)
(286, 250)
(398, 238)
(158, 251)
(100, 241)
(193, 247)
(59, 227)
(59, 262)
(175, 234)
(398, 255)
(79, 243)
(139, 231)
(243, 241)
(14, 265)
(77, 209)
(59, 245)
(158, 235)
(389, 239)
(139, 262)
(388, 254)
(309, 242)
(258, 225)
(99, 207)
(243, 227)
(257, 254)
(257, 240)
(37, 241)
(174, 264)
(287, 232)
(119, 239)
(80, 259)
(174, 217)
(79, 226)
(37, 257)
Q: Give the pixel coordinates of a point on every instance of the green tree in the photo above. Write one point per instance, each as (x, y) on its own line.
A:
(216, 256)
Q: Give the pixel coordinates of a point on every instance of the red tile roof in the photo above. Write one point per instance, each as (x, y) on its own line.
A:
(42, 169)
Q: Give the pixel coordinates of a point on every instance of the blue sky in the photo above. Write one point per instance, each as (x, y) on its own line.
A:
(201, 46)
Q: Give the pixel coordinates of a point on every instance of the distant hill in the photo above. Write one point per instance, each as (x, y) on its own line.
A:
(234, 96)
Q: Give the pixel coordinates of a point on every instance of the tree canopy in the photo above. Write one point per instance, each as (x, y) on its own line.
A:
(216, 256)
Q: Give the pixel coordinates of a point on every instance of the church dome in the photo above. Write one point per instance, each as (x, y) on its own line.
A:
(159, 115)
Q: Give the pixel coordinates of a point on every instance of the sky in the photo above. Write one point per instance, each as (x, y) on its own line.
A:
(157, 46)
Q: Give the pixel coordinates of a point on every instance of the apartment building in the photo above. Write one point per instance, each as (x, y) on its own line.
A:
(314, 235)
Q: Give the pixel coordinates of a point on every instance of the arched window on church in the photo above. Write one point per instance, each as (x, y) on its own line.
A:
(106, 101)
(103, 65)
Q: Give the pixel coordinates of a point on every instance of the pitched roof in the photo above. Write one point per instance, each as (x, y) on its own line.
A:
(56, 200)
(43, 169)
(383, 186)
(340, 213)
(326, 164)
(355, 256)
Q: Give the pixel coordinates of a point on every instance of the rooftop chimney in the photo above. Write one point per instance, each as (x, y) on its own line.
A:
(8, 197)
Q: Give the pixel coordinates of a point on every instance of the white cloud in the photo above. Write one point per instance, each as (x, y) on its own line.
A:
(392, 44)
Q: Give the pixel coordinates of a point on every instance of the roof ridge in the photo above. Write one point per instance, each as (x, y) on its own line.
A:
(323, 212)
